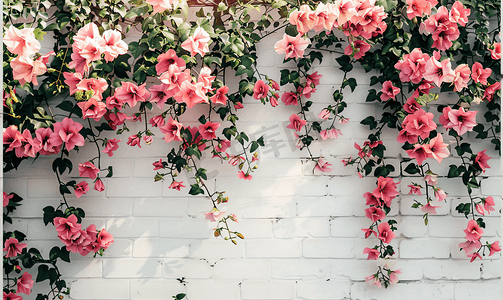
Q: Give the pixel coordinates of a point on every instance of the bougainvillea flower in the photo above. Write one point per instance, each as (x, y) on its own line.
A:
(412, 66)
(414, 189)
(418, 152)
(459, 13)
(131, 94)
(358, 49)
(167, 59)
(429, 209)
(13, 247)
(479, 74)
(88, 169)
(481, 160)
(220, 96)
(290, 98)
(419, 123)
(191, 94)
(437, 149)
(495, 50)
(440, 194)
(373, 254)
(104, 239)
(81, 188)
(222, 145)
(112, 145)
(386, 189)
(21, 41)
(93, 109)
(25, 69)
(461, 77)
(296, 122)
(67, 228)
(25, 284)
(489, 204)
(374, 213)
(368, 232)
(99, 186)
(303, 18)
(197, 43)
(324, 114)
(134, 140)
(293, 46)
(72, 80)
(176, 185)
(11, 296)
(473, 231)
(385, 233)
(6, 198)
(347, 9)
(389, 91)
(245, 176)
(330, 133)
(208, 130)
(470, 246)
(418, 8)
(459, 120)
(12, 137)
(495, 247)
(370, 199)
(97, 85)
(439, 72)
(171, 130)
(260, 90)
(491, 90)
(214, 215)
(323, 166)
(173, 78)
(206, 79)
(67, 131)
(114, 45)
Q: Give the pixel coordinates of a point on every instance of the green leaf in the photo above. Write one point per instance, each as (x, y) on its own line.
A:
(351, 82)
(370, 121)
(43, 273)
(411, 169)
(254, 146)
(195, 189)
(453, 171)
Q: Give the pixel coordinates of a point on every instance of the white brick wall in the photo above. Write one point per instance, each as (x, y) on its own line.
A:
(302, 231)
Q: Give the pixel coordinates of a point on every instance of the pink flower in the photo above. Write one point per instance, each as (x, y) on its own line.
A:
(6, 198)
(437, 149)
(459, 120)
(358, 49)
(13, 247)
(419, 123)
(369, 232)
(439, 72)
(67, 228)
(461, 77)
(459, 13)
(43, 138)
(386, 189)
(370, 199)
(67, 131)
(474, 256)
(389, 91)
(296, 122)
(81, 188)
(418, 152)
(488, 204)
(480, 209)
(481, 160)
(25, 284)
(429, 209)
(347, 9)
(157, 121)
(274, 84)
(393, 279)
(431, 179)
(79, 63)
(324, 114)
(323, 166)
(220, 96)
(443, 30)
(104, 239)
(440, 195)
(197, 43)
(412, 66)
(176, 185)
(167, 59)
(494, 248)
(373, 254)
(114, 45)
(303, 18)
(374, 213)
(112, 145)
(131, 94)
(385, 233)
(88, 169)
(242, 175)
(330, 134)
(326, 15)
(72, 80)
(134, 140)
(290, 98)
(171, 130)
(214, 215)
(173, 79)
(495, 50)
(25, 69)
(208, 130)
(21, 41)
(91, 49)
(222, 145)
(414, 189)
(473, 231)
(293, 46)
(479, 74)
(11, 296)
(260, 90)
(93, 109)
(148, 139)
(206, 78)
(491, 90)
(373, 280)
(470, 246)
(99, 186)
(158, 165)
(191, 94)
(418, 8)
(97, 85)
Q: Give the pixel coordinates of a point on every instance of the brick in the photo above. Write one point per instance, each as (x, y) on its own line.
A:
(16, 185)
(131, 268)
(491, 186)
(425, 248)
(133, 227)
(287, 268)
(361, 243)
(242, 269)
(301, 227)
(129, 188)
(346, 186)
(271, 289)
(155, 289)
(491, 269)
(348, 226)
(478, 290)
(186, 228)
(412, 227)
(273, 248)
(158, 247)
(217, 249)
(331, 248)
(324, 206)
(280, 207)
(188, 268)
(43, 188)
(99, 289)
(452, 270)
(326, 289)
(212, 290)
(315, 186)
(120, 248)
(109, 207)
(414, 291)
(88, 267)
